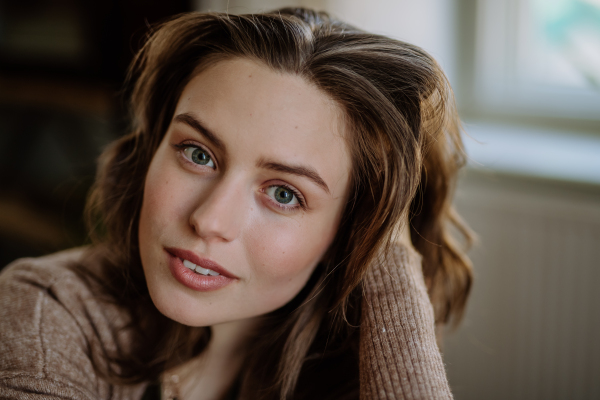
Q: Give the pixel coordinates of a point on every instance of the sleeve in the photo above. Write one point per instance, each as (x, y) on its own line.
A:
(48, 323)
(399, 356)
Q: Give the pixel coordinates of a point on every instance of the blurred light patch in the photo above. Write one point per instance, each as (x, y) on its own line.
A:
(563, 47)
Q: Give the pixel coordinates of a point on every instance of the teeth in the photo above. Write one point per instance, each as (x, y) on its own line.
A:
(189, 265)
(198, 269)
(201, 270)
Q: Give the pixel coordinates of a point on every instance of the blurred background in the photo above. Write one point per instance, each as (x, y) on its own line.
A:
(527, 78)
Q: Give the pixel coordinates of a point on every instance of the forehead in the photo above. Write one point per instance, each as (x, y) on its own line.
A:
(262, 113)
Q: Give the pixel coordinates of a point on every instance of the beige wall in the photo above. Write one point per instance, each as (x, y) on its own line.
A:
(250, 6)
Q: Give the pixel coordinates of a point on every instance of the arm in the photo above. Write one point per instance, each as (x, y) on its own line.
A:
(48, 321)
(399, 356)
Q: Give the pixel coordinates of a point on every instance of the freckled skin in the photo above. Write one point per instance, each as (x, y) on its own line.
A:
(224, 214)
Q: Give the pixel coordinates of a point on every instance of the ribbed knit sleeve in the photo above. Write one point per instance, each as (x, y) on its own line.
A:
(399, 356)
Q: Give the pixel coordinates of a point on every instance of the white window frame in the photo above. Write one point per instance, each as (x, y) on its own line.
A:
(494, 87)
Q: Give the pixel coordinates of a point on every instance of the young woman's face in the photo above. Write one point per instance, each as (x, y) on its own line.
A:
(244, 194)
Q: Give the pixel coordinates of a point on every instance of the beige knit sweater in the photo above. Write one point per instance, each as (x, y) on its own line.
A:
(49, 318)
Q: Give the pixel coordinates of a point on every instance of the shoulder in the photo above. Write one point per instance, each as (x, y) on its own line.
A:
(49, 320)
(42, 272)
(37, 292)
(32, 289)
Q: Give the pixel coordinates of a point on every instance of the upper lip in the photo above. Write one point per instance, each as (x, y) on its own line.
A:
(202, 262)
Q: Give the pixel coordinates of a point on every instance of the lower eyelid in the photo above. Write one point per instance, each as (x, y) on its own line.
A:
(285, 207)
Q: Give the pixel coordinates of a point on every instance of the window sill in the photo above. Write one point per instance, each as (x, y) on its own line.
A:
(533, 152)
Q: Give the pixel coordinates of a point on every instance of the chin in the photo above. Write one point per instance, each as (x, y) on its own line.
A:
(176, 305)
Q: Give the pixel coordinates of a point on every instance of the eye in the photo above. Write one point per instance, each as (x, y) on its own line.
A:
(282, 195)
(198, 156)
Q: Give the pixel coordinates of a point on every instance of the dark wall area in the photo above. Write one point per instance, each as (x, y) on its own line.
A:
(62, 63)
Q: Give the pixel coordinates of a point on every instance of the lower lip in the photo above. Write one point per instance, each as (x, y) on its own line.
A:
(193, 280)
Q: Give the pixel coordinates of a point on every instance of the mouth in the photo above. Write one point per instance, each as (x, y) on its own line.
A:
(199, 265)
(197, 273)
(198, 269)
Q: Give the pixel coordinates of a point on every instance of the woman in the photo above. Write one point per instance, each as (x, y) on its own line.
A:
(251, 232)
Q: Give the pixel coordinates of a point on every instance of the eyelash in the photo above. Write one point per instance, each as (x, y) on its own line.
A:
(301, 201)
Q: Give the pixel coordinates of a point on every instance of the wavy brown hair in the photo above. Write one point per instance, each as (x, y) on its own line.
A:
(404, 138)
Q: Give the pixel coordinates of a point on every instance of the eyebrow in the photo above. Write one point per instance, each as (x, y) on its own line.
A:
(195, 124)
(298, 170)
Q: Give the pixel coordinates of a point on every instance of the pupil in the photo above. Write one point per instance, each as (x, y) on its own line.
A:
(200, 157)
(283, 196)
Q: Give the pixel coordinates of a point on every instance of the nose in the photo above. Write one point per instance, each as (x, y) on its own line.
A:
(219, 214)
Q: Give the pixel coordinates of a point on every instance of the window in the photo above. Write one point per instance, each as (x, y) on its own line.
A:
(536, 58)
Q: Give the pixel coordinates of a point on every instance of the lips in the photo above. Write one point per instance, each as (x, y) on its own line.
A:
(196, 273)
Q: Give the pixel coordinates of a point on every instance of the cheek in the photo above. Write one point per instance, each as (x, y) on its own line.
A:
(156, 196)
(285, 255)
(165, 200)
(161, 210)
(151, 223)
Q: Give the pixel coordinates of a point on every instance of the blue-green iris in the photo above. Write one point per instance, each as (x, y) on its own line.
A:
(282, 195)
(199, 156)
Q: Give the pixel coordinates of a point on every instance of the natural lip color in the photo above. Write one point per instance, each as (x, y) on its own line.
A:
(193, 280)
(202, 262)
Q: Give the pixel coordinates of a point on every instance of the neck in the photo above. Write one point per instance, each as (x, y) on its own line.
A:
(213, 372)
(229, 339)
